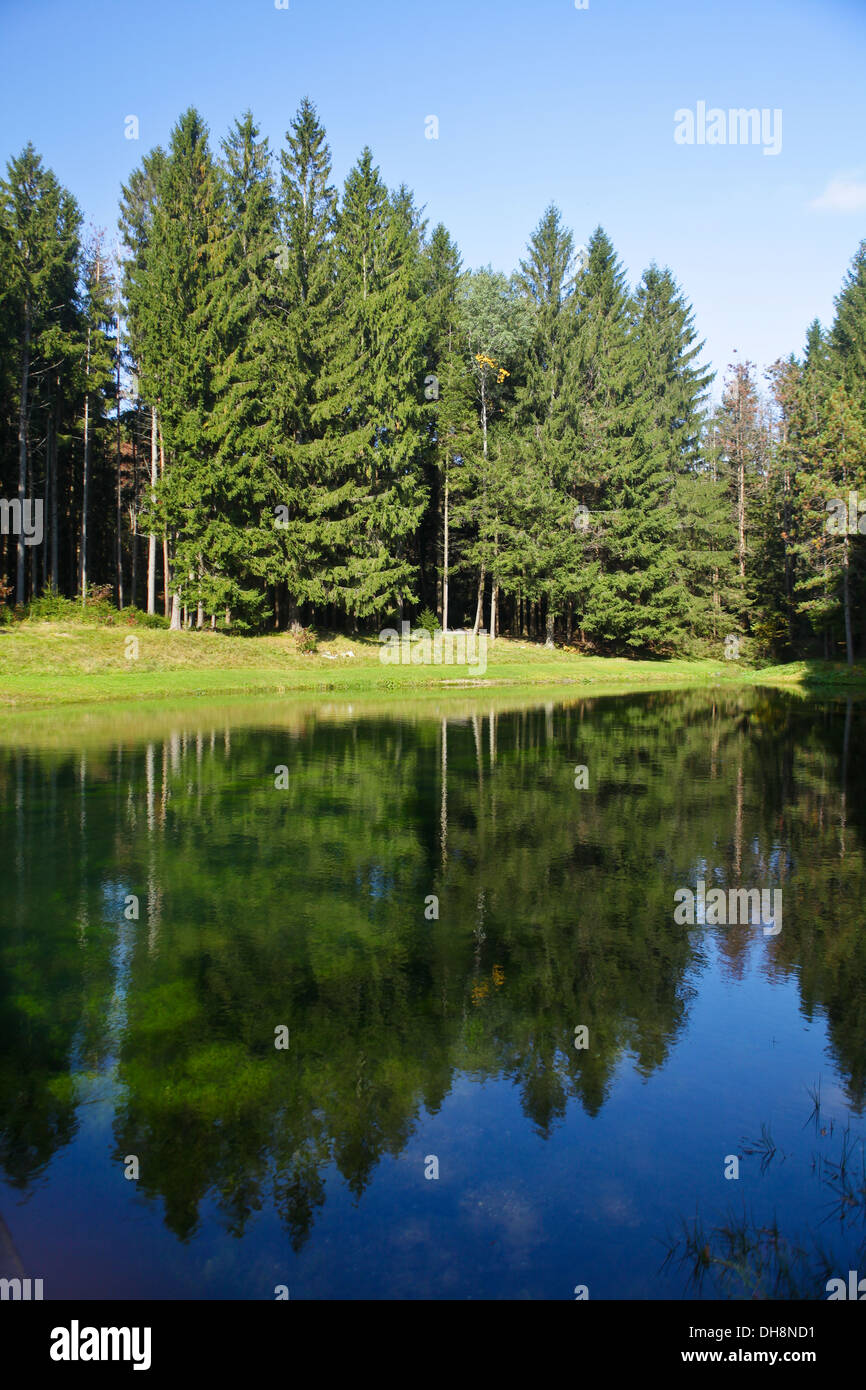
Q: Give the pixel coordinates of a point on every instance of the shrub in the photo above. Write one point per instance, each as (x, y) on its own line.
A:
(5, 591)
(135, 616)
(429, 622)
(306, 640)
(52, 608)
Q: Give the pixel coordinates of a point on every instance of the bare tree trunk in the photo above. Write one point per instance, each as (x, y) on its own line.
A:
(494, 590)
(119, 497)
(846, 598)
(119, 545)
(741, 490)
(175, 613)
(82, 578)
(55, 535)
(151, 540)
(46, 504)
(134, 520)
(445, 561)
(23, 411)
(166, 566)
(479, 607)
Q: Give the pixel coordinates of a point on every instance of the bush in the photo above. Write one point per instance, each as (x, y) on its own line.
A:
(429, 622)
(306, 640)
(52, 608)
(5, 591)
(98, 607)
(135, 617)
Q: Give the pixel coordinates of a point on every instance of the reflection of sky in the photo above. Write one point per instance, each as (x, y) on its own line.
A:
(379, 883)
(513, 1214)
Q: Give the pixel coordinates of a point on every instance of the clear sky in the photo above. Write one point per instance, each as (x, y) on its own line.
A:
(536, 100)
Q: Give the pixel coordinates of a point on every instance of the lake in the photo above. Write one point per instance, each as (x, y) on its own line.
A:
(370, 1001)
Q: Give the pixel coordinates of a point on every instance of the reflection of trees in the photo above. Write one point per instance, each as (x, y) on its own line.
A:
(306, 907)
(54, 963)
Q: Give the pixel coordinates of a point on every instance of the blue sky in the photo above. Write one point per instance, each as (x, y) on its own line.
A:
(536, 102)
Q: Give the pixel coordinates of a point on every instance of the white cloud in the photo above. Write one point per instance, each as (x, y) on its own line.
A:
(845, 193)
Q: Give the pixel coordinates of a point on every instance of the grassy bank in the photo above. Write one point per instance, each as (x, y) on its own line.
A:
(45, 664)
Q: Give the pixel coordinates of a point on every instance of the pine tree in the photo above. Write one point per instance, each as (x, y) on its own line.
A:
(370, 495)
(139, 293)
(40, 225)
(837, 476)
(300, 300)
(448, 387)
(96, 369)
(738, 423)
(496, 323)
(776, 523)
(238, 531)
(187, 223)
(848, 334)
(547, 411)
(634, 594)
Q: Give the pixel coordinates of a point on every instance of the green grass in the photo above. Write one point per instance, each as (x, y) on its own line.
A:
(46, 664)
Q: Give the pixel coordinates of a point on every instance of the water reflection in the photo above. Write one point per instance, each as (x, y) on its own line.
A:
(429, 902)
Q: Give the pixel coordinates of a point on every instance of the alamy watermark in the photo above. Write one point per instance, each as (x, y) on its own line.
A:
(20, 1290)
(76, 1343)
(737, 126)
(423, 648)
(846, 521)
(737, 906)
(21, 520)
(856, 1288)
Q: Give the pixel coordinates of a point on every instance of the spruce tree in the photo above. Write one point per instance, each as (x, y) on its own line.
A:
(496, 323)
(40, 226)
(370, 495)
(187, 223)
(546, 412)
(449, 393)
(848, 334)
(299, 302)
(238, 532)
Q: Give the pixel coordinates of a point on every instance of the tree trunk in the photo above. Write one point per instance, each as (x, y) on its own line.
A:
(166, 567)
(175, 613)
(445, 562)
(199, 617)
(119, 544)
(151, 540)
(741, 504)
(55, 534)
(82, 578)
(479, 607)
(119, 497)
(134, 522)
(846, 598)
(22, 453)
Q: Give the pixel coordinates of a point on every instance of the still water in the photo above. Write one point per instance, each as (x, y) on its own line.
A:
(472, 961)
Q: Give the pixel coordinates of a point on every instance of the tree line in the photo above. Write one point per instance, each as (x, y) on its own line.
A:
(276, 403)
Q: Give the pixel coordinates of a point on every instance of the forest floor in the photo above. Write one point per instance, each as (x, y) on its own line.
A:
(45, 664)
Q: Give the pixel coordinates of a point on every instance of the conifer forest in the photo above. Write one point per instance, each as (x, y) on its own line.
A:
(266, 400)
